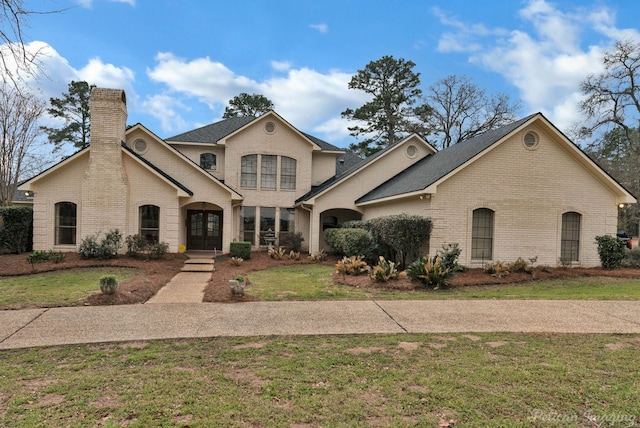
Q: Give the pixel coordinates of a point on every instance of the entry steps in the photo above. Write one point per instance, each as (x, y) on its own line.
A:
(198, 265)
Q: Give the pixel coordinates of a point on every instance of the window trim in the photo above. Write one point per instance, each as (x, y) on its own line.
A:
(154, 236)
(288, 181)
(249, 171)
(485, 238)
(268, 172)
(58, 228)
(570, 218)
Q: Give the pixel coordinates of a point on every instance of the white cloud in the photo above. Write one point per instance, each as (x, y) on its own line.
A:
(308, 99)
(165, 108)
(281, 65)
(547, 64)
(463, 38)
(322, 27)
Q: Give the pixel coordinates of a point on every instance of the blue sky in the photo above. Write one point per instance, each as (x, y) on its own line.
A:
(180, 61)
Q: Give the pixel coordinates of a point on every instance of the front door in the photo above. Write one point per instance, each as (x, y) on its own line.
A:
(204, 230)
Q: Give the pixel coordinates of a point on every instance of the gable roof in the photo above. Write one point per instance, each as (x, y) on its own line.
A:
(157, 170)
(355, 164)
(213, 133)
(182, 156)
(428, 171)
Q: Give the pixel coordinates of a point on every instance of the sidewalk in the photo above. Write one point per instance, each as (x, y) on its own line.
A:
(61, 326)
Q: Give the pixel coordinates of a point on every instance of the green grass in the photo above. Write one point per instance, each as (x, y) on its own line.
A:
(469, 380)
(63, 288)
(313, 282)
(598, 288)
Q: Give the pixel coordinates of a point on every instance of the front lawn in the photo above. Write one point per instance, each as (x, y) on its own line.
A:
(408, 380)
(313, 282)
(63, 288)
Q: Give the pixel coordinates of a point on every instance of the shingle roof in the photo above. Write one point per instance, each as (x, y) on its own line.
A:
(322, 144)
(214, 132)
(354, 163)
(428, 170)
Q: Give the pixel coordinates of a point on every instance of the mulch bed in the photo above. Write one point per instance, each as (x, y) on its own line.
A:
(156, 273)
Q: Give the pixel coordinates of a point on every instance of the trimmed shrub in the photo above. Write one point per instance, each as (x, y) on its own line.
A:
(108, 284)
(240, 249)
(350, 242)
(611, 250)
(16, 229)
(404, 234)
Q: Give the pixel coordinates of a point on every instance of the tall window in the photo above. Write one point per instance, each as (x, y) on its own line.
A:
(482, 234)
(150, 223)
(267, 221)
(287, 173)
(570, 240)
(208, 161)
(249, 171)
(268, 171)
(248, 224)
(287, 219)
(66, 219)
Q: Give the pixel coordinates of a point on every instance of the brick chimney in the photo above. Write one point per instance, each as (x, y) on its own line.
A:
(104, 189)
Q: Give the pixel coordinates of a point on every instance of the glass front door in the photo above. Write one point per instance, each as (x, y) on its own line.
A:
(204, 230)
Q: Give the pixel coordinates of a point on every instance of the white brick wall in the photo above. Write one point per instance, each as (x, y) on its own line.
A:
(529, 191)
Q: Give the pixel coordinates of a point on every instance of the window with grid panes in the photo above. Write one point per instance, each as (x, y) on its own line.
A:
(570, 239)
(482, 234)
(287, 173)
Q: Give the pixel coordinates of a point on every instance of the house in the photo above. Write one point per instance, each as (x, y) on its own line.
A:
(523, 190)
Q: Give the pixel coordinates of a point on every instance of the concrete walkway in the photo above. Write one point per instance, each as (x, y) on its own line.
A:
(60, 326)
(187, 286)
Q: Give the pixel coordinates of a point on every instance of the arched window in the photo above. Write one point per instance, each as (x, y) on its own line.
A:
(150, 223)
(570, 240)
(287, 173)
(66, 220)
(208, 161)
(482, 234)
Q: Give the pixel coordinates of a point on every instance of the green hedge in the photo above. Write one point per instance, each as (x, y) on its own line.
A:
(395, 237)
(350, 242)
(16, 229)
(240, 249)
